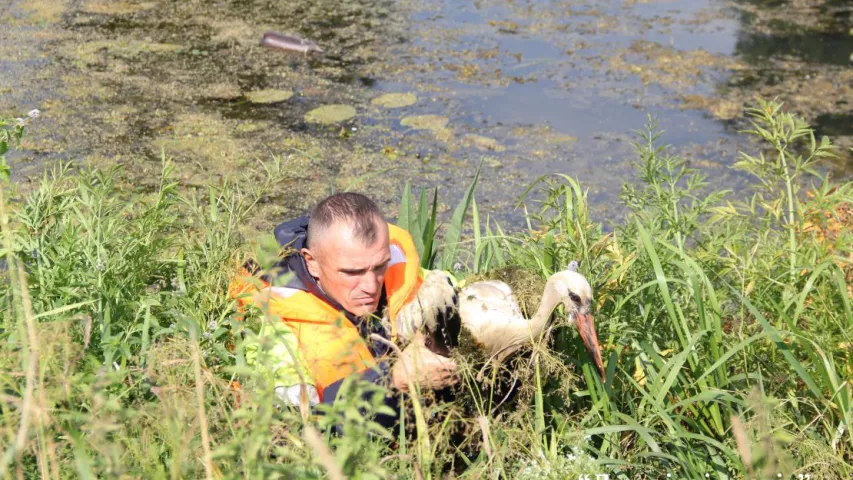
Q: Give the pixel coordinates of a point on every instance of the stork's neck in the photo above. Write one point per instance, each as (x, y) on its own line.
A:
(550, 298)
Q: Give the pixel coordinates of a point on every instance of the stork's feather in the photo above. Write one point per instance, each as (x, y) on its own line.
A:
(433, 310)
(490, 312)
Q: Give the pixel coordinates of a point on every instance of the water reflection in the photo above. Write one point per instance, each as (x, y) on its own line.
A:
(814, 33)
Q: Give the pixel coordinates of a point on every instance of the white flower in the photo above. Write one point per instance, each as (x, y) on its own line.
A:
(211, 325)
(34, 113)
(20, 122)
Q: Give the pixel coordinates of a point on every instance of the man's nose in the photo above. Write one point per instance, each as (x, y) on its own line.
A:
(370, 283)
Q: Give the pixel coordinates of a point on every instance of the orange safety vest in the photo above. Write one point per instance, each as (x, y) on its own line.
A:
(329, 343)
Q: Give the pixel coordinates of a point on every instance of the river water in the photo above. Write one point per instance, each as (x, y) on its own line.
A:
(526, 88)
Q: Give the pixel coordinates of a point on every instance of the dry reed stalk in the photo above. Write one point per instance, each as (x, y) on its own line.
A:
(202, 417)
(54, 465)
(324, 455)
(29, 342)
(742, 441)
(30, 349)
(418, 474)
(47, 451)
(483, 422)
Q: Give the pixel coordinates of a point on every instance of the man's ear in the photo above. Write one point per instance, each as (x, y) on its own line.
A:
(311, 262)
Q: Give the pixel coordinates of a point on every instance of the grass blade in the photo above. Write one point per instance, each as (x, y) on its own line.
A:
(454, 229)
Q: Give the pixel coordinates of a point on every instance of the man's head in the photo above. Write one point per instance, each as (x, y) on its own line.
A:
(347, 251)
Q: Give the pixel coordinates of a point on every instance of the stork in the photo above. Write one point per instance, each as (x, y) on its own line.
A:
(489, 312)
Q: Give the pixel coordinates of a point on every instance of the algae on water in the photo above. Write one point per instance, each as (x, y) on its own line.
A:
(425, 122)
(115, 7)
(395, 100)
(93, 52)
(330, 114)
(483, 143)
(269, 95)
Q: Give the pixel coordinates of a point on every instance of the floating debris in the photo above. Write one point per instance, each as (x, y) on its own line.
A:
(289, 42)
(269, 95)
(395, 100)
(330, 114)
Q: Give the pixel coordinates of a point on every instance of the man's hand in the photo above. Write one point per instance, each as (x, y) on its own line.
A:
(419, 365)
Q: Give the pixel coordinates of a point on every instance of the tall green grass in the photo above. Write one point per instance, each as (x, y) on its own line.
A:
(726, 322)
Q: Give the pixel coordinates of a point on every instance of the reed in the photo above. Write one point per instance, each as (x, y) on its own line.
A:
(728, 345)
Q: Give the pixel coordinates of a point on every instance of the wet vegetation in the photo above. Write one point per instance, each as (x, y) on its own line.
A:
(725, 320)
(167, 142)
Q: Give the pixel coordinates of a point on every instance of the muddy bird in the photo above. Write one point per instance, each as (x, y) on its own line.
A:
(289, 42)
(488, 312)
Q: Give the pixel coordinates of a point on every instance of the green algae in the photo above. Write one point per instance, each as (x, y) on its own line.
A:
(197, 136)
(44, 11)
(330, 114)
(115, 7)
(395, 100)
(718, 107)
(269, 95)
(95, 51)
(483, 143)
(220, 91)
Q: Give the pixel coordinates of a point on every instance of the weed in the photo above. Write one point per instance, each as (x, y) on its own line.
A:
(726, 326)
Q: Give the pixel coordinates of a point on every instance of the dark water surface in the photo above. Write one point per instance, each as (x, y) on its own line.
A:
(525, 87)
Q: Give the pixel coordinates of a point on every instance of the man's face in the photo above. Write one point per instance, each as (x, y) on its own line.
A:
(350, 272)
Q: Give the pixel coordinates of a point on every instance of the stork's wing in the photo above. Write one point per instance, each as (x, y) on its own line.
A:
(435, 299)
(496, 295)
(490, 312)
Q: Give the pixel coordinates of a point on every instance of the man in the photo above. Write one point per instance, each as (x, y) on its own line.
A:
(348, 268)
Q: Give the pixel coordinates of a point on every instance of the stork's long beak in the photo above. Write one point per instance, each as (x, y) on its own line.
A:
(586, 328)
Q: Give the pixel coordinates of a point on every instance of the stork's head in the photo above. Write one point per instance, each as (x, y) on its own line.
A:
(576, 295)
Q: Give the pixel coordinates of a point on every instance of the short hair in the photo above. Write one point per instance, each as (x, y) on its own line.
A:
(358, 211)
